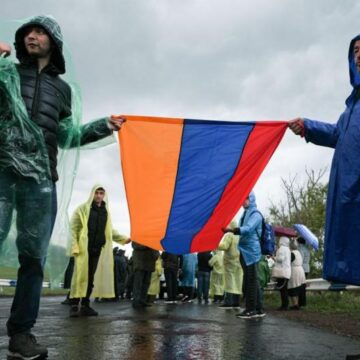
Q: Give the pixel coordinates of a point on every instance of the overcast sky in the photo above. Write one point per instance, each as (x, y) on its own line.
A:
(205, 59)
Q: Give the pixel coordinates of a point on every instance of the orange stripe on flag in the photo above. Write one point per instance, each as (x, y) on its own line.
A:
(150, 150)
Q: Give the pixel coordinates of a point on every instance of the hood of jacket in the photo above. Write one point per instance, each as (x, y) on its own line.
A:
(284, 241)
(92, 194)
(252, 200)
(52, 28)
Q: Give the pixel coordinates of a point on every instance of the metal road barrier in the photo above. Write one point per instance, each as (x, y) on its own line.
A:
(320, 285)
(12, 283)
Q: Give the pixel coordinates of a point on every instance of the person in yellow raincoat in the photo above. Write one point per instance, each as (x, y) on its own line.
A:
(92, 237)
(233, 272)
(154, 288)
(217, 276)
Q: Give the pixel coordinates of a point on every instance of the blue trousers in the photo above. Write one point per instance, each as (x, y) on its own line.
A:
(203, 285)
(36, 206)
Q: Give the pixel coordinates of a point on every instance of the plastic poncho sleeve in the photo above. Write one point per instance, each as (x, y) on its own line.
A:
(76, 226)
(118, 238)
(70, 136)
(213, 261)
(320, 133)
(252, 223)
(225, 242)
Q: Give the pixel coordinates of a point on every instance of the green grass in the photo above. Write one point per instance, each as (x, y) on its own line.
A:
(324, 302)
(10, 291)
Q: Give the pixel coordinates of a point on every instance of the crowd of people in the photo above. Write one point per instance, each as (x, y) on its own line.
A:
(234, 274)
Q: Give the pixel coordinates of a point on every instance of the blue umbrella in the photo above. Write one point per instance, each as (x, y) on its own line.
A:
(307, 235)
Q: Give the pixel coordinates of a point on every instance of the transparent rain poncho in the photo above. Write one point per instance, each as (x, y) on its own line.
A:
(25, 171)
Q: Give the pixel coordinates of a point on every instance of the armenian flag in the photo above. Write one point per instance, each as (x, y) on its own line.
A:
(186, 179)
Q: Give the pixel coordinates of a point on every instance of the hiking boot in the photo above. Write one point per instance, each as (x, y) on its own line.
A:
(66, 302)
(247, 315)
(145, 304)
(86, 310)
(74, 311)
(24, 346)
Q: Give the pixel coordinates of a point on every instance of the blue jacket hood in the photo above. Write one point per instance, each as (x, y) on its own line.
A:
(252, 200)
(354, 74)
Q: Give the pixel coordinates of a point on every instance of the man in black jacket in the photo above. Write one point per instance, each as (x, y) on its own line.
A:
(144, 259)
(47, 98)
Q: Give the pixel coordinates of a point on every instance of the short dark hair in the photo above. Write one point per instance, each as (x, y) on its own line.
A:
(301, 240)
(100, 189)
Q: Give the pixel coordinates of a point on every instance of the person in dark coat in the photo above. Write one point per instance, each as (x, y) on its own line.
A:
(47, 99)
(203, 275)
(341, 250)
(170, 263)
(120, 265)
(144, 260)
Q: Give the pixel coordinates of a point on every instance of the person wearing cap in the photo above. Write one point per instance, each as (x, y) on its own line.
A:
(47, 98)
(92, 239)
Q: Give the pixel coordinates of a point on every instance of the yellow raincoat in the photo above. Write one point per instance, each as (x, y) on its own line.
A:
(232, 269)
(154, 288)
(104, 275)
(217, 274)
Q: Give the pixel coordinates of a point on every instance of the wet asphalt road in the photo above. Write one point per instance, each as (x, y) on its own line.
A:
(186, 331)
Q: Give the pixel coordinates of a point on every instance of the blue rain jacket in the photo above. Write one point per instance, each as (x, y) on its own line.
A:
(342, 229)
(189, 265)
(250, 232)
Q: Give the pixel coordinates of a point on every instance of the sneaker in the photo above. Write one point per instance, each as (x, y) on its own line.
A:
(86, 310)
(25, 346)
(185, 299)
(247, 315)
(74, 311)
(199, 301)
(260, 314)
(225, 306)
(66, 302)
(295, 307)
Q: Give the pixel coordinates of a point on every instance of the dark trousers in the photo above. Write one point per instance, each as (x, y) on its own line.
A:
(141, 285)
(203, 285)
(302, 295)
(69, 273)
(232, 299)
(171, 283)
(93, 263)
(36, 206)
(188, 291)
(281, 285)
(252, 288)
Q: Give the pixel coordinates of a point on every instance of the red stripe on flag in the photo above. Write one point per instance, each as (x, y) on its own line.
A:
(260, 146)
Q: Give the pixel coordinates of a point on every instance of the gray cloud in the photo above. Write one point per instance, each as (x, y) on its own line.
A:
(210, 59)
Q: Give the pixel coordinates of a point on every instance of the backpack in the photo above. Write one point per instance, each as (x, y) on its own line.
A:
(267, 237)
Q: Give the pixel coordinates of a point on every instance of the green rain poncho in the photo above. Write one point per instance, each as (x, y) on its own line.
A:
(24, 157)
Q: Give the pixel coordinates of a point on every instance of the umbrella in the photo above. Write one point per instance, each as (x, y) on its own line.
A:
(284, 231)
(307, 235)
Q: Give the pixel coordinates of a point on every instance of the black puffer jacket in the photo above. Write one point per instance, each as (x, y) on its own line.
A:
(47, 97)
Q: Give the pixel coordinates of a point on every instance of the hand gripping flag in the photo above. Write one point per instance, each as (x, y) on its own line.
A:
(186, 179)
